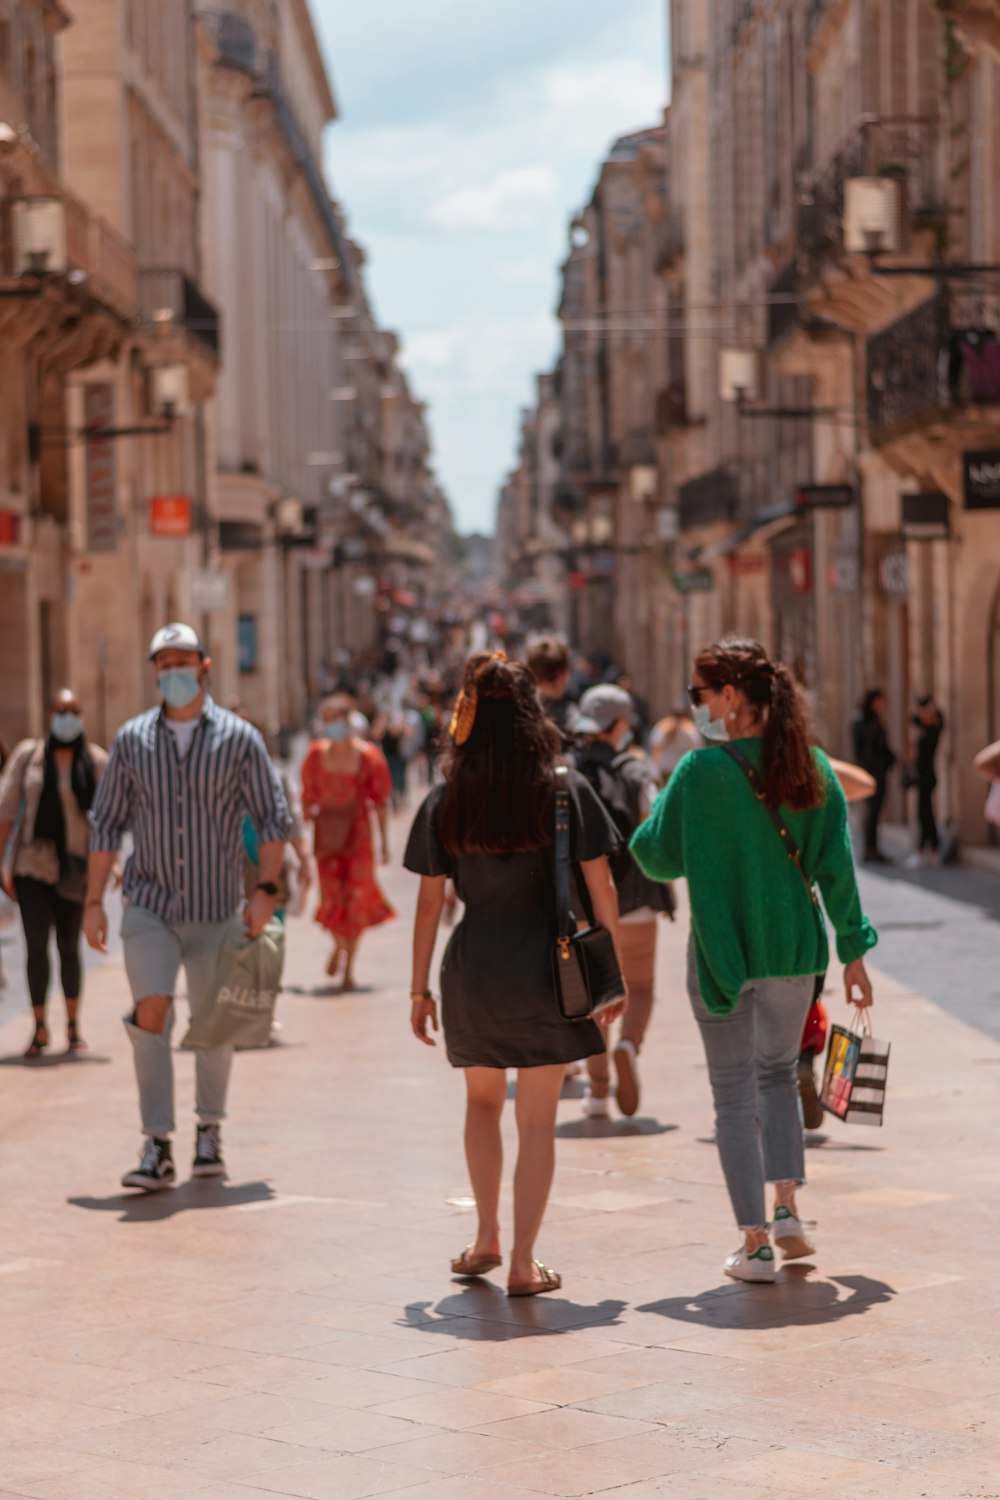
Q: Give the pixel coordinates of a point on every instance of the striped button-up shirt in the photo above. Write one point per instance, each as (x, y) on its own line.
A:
(186, 813)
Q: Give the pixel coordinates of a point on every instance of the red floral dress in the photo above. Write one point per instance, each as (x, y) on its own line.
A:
(350, 898)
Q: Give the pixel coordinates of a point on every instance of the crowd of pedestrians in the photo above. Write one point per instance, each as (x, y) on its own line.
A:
(728, 793)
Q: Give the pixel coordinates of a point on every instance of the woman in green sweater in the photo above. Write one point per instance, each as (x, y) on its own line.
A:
(758, 938)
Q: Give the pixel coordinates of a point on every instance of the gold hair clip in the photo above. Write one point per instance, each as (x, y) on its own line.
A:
(463, 716)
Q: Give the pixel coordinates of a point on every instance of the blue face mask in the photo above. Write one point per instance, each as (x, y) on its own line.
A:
(707, 727)
(179, 686)
(66, 727)
(624, 741)
(336, 729)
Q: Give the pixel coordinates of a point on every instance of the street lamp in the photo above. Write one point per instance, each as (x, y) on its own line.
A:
(739, 384)
(873, 216)
(38, 237)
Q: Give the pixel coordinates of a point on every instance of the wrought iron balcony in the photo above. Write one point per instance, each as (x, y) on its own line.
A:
(235, 39)
(906, 149)
(710, 498)
(166, 288)
(942, 357)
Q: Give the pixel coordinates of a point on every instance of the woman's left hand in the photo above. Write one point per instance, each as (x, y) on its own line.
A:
(613, 1012)
(856, 978)
(422, 1012)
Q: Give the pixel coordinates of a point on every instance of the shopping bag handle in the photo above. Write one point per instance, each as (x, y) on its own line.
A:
(861, 1021)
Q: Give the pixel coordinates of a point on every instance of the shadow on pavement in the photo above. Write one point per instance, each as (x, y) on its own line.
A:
(972, 887)
(481, 1312)
(793, 1299)
(145, 1208)
(596, 1129)
(53, 1060)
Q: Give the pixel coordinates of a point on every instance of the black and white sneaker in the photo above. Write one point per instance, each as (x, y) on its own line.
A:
(208, 1160)
(156, 1167)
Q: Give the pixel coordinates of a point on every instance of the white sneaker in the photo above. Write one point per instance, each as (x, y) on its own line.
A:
(751, 1265)
(790, 1236)
(627, 1069)
(596, 1109)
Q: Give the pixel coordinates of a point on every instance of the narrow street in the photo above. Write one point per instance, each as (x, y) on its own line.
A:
(295, 1331)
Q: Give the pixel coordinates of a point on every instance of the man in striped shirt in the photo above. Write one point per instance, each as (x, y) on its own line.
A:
(181, 778)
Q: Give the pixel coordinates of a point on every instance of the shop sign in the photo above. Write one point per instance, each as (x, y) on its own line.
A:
(699, 582)
(208, 590)
(894, 574)
(170, 515)
(800, 569)
(824, 496)
(10, 528)
(746, 564)
(844, 574)
(981, 475)
(925, 517)
(101, 510)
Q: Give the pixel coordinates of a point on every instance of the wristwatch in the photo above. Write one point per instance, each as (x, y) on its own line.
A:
(268, 887)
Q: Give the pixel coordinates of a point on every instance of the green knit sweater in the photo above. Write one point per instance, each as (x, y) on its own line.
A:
(750, 913)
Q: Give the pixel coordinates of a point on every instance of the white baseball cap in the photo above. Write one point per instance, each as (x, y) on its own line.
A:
(175, 637)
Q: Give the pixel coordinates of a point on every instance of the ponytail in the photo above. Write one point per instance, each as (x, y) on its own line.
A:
(788, 767)
(789, 770)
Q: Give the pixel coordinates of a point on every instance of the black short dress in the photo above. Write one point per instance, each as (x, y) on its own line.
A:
(498, 1002)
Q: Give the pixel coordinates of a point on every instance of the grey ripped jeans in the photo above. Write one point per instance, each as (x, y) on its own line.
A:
(752, 1054)
(154, 953)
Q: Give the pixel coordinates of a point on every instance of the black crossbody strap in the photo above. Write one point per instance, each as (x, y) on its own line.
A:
(791, 847)
(564, 916)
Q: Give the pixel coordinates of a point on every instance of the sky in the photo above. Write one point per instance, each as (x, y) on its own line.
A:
(469, 133)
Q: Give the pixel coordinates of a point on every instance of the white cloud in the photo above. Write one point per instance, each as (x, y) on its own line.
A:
(513, 200)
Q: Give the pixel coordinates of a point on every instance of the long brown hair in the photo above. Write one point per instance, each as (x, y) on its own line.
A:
(498, 796)
(788, 766)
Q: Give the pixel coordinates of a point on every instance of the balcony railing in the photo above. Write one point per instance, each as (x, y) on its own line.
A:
(93, 246)
(235, 39)
(907, 149)
(941, 357)
(166, 288)
(710, 498)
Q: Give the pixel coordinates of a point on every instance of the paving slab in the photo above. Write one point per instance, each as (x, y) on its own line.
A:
(294, 1331)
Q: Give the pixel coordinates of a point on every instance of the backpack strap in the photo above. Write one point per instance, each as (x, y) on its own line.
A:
(565, 922)
(791, 847)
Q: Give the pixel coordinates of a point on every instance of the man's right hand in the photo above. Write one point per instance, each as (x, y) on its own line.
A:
(95, 926)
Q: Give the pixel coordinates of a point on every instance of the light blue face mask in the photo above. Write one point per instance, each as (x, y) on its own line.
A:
(707, 727)
(66, 727)
(335, 729)
(624, 741)
(179, 686)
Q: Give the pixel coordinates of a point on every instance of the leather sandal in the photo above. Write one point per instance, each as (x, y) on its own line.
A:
(550, 1281)
(468, 1266)
(39, 1041)
(74, 1041)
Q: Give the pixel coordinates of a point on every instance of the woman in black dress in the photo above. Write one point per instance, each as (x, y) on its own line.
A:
(489, 828)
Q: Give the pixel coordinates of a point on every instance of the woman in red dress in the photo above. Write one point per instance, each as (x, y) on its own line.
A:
(343, 778)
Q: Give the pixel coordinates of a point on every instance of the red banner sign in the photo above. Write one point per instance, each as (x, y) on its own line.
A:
(170, 515)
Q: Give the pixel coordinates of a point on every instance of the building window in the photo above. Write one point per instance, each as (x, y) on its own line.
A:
(246, 643)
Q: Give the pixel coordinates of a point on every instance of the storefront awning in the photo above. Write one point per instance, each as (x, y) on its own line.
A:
(763, 526)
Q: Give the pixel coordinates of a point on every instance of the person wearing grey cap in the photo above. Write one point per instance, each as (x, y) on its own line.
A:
(627, 784)
(181, 778)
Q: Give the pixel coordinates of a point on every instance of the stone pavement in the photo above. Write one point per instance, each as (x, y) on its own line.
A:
(295, 1331)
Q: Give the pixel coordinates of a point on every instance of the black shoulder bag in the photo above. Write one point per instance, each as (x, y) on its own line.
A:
(585, 968)
(791, 847)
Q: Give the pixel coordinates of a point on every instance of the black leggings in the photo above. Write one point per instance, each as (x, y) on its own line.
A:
(929, 837)
(41, 910)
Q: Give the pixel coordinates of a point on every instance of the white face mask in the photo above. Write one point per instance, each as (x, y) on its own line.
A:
(707, 727)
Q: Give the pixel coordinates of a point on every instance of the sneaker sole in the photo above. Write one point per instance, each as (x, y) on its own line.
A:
(209, 1169)
(628, 1081)
(147, 1184)
(812, 1105)
(795, 1247)
(768, 1280)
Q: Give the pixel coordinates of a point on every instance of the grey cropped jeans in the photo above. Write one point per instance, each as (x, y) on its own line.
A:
(752, 1054)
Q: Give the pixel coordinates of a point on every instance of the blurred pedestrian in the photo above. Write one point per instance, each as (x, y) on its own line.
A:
(491, 828)
(46, 792)
(873, 753)
(626, 784)
(548, 662)
(927, 727)
(344, 779)
(752, 820)
(670, 739)
(181, 777)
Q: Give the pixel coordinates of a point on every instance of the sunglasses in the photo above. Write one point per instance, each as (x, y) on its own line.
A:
(694, 693)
